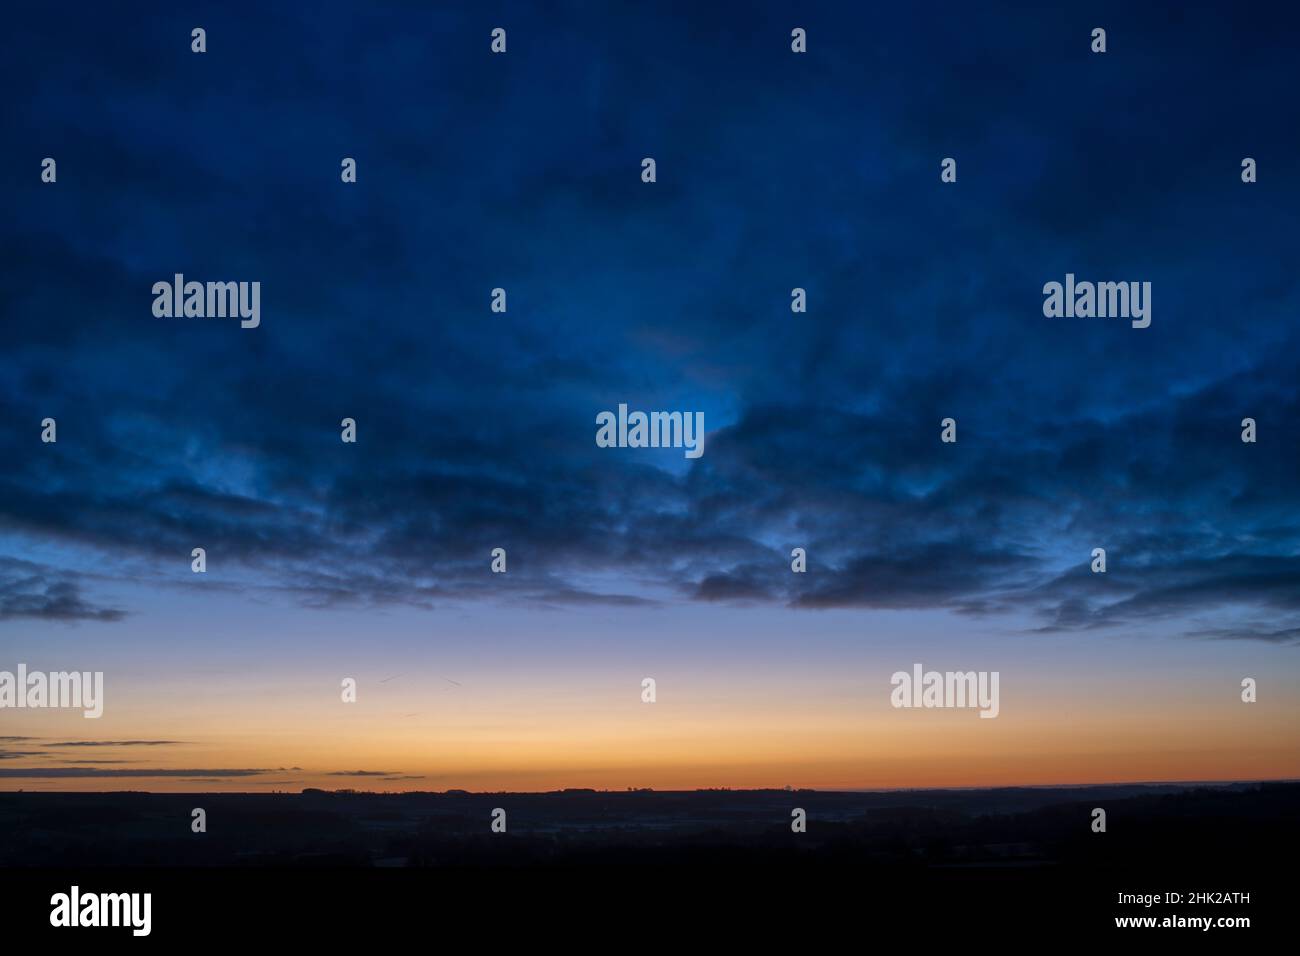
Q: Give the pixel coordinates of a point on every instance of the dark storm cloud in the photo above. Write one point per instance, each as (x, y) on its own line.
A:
(476, 430)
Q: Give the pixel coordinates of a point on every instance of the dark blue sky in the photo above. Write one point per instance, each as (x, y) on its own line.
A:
(774, 171)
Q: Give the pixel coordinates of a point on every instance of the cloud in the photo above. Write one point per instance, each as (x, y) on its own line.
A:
(29, 590)
(37, 773)
(822, 427)
(360, 773)
(116, 743)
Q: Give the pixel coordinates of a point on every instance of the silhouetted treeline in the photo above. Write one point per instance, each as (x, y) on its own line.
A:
(1220, 828)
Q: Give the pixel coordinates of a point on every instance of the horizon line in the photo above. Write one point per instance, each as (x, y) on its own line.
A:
(838, 790)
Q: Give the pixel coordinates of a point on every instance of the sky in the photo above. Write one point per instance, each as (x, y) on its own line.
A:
(476, 430)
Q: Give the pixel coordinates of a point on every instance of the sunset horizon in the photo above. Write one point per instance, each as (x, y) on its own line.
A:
(572, 448)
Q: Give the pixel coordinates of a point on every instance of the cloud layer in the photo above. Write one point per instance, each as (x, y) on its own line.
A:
(476, 430)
